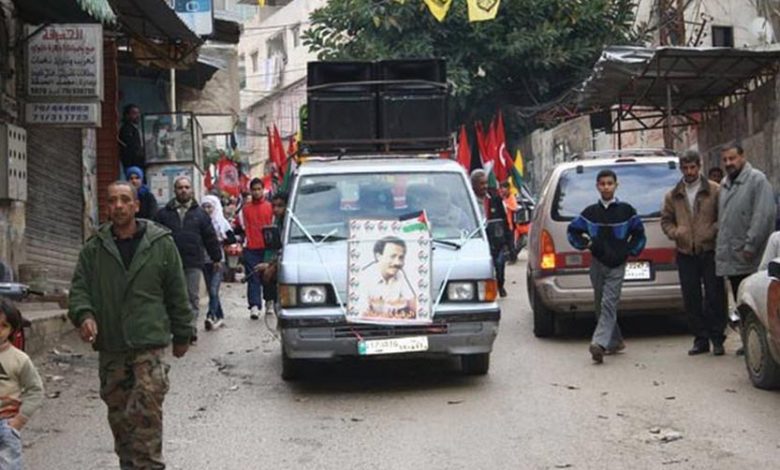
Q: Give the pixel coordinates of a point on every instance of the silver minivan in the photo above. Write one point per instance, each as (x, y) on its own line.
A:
(326, 195)
(557, 276)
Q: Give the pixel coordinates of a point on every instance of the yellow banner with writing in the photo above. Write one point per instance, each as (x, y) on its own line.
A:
(439, 8)
(482, 10)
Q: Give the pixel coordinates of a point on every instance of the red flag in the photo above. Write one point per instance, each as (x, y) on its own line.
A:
(503, 152)
(481, 144)
(268, 184)
(464, 151)
(279, 153)
(271, 147)
(208, 182)
(493, 152)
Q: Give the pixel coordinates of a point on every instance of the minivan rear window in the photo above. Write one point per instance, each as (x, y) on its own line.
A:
(641, 185)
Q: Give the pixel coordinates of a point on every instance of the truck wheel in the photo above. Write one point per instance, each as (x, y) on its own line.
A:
(764, 372)
(544, 319)
(475, 364)
(291, 368)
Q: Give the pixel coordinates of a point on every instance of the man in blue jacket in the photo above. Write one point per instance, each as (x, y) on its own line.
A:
(612, 231)
(193, 233)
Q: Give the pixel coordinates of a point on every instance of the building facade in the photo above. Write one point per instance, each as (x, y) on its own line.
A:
(272, 59)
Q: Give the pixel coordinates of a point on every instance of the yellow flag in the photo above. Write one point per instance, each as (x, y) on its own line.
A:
(439, 8)
(519, 166)
(482, 10)
(517, 174)
(261, 3)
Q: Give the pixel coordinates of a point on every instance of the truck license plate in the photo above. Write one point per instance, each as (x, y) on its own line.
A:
(393, 345)
(637, 271)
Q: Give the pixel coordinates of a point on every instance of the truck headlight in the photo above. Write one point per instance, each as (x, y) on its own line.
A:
(484, 290)
(312, 295)
(461, 291)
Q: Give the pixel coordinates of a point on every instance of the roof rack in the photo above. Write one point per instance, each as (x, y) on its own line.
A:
(615, 153)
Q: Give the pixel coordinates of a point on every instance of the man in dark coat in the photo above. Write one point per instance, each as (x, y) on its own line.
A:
(192, 232)
(499, 235)
(131, 145)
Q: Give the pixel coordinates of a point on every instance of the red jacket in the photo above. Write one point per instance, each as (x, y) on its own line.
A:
(254, 216)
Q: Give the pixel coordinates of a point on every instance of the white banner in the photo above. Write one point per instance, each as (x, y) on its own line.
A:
(66, 60)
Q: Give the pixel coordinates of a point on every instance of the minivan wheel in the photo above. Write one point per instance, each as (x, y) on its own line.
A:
(764, 372)
(475, 364)
(544, 319)
(291, 368)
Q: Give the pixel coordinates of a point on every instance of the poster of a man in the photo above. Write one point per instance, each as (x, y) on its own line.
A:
(389, 272)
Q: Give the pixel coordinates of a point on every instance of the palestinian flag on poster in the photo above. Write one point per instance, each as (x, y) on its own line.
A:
(416, 222)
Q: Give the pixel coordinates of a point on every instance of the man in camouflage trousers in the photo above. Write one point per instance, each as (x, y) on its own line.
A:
(129, 299)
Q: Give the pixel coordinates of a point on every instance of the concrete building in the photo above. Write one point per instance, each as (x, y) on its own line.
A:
(273, 60)
(705, 23)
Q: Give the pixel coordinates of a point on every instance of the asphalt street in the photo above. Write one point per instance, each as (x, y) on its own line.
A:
(544, 405)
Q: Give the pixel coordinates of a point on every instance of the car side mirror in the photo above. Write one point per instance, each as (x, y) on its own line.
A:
(774, 268)
(272, 237)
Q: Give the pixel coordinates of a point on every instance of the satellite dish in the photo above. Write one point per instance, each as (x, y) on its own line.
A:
(762, 30)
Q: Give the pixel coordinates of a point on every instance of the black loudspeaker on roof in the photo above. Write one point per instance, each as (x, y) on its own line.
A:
(377, 106)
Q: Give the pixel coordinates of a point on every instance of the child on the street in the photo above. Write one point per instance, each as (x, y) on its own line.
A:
(21, 389)
(612, 231)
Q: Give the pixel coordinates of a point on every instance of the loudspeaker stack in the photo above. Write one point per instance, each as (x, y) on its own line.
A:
(377, 106)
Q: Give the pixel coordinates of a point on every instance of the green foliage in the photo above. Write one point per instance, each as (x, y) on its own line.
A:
(533, 51)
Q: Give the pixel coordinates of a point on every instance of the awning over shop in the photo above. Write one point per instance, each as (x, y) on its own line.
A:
(195, 77)
(225, 30)
(65, 11)
(678, 79)
(153, 19)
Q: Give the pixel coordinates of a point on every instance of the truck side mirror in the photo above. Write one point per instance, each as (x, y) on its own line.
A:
(774, 268)
(272, 237)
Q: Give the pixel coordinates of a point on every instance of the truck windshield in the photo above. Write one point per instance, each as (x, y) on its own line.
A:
(324, 204)
(641, 185)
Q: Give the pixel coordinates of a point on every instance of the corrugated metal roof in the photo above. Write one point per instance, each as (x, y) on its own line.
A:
(695, 78)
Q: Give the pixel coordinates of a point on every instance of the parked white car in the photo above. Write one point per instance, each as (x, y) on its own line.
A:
(758, 305)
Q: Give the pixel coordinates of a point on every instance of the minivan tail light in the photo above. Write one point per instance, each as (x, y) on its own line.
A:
(548, 251)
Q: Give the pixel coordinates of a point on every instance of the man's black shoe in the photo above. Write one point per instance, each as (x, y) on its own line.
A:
(596, 353)
(717, 350)
(741, 351)
(502, 292)
(698, 349)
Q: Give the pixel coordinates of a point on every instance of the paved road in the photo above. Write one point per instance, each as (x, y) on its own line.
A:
(543, 406)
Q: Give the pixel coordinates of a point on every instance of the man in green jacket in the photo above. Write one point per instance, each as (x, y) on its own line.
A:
(129, 299)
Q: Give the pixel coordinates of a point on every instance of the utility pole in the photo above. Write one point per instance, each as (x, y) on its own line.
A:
(671, 32)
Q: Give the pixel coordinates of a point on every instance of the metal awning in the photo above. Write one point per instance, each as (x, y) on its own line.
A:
(153, 19)
(681, 79)
(65, 11)
(196, 76)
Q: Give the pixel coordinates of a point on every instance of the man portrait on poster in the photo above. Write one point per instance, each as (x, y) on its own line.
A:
(389, 294)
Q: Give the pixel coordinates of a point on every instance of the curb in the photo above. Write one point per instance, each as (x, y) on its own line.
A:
(49, 324)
